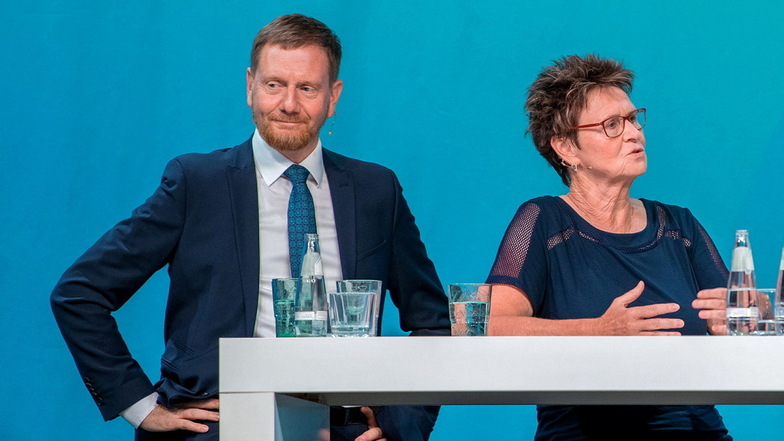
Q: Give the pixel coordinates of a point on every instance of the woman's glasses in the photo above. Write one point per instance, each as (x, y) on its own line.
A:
(614, 125)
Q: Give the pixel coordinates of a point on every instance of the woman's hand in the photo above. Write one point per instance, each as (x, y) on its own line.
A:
(712, 304)
(512, 314)
(620, 319)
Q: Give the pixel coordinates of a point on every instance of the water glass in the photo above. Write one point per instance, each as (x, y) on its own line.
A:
(779, 313)
(354, 308)
(767, 323)
(469, 308)
(284, 298)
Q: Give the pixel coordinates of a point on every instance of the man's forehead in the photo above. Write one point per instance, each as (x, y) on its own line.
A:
(311, 53)
(306, 62)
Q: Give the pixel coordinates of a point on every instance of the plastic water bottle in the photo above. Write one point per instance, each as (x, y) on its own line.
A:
(742, 289)
(311, 316)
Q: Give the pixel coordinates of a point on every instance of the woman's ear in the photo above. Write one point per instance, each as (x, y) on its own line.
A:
(565, 148)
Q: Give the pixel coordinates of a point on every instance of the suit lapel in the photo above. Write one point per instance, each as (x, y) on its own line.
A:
(341, 187)
(245, 211)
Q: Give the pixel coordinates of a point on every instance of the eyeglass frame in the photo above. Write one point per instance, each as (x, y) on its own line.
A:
(623, 118)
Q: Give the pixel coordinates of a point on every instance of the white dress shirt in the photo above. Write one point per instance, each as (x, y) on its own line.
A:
(273, 192)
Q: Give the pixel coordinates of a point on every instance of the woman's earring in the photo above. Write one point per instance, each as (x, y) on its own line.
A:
(567, 165)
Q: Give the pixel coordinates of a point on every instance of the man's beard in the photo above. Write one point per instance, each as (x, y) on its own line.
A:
(285, 142)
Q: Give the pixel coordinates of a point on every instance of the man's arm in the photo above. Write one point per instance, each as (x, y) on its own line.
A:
(138, 411)
(102, 280)
(416, 290)
(414, 285)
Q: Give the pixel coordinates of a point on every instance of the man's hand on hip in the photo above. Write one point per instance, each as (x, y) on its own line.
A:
(182, 417)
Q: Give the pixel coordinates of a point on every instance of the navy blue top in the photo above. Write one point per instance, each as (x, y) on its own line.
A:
(570, 269)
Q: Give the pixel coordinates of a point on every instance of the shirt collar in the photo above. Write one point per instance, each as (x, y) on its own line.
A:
(270, 164)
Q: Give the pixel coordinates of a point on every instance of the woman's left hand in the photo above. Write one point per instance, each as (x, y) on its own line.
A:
(712, 304)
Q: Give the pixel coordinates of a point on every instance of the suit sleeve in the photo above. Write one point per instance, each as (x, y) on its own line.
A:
(103, 279)
(407, 423)
(414, 285)
(417, 292)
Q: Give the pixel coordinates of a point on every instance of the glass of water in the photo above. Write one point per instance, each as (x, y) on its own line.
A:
(354, 307)
(284, 298)
(469, 308)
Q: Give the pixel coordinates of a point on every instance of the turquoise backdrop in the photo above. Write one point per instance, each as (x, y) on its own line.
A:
(97, 96)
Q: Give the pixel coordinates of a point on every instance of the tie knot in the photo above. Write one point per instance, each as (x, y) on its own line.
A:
(297, 174)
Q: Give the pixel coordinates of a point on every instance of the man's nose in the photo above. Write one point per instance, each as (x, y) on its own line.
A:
(290, 102)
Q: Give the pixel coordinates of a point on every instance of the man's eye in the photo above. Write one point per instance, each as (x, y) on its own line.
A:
(611, 123)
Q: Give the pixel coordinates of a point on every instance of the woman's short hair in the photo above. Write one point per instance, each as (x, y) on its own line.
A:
(559, 94)
(295, 31)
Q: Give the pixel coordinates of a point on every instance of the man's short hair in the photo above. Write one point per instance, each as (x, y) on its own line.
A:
(294, 31)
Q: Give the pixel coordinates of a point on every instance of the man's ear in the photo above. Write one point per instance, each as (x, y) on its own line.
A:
(249, 87)
(336, 90)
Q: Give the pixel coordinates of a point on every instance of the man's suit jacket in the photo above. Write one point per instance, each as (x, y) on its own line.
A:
(203, 223)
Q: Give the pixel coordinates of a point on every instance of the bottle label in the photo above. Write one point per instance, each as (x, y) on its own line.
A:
(742, 312)
(311, 264)
(742, 260)
(310, 315)
(304, 315)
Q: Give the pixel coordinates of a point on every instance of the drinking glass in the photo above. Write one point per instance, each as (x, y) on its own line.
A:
(469, 308)
(354, 307)
(284, 298)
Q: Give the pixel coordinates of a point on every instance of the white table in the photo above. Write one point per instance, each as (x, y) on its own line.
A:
(281, 388)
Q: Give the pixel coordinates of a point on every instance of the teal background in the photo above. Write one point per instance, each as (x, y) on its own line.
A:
(97, 96)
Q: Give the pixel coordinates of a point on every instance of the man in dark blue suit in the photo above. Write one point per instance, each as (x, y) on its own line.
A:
(218, 220)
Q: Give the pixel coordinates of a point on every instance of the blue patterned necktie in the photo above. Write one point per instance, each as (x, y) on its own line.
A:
(302, 215)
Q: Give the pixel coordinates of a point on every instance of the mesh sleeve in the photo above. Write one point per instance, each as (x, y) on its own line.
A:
(520, 260)
(709, 267)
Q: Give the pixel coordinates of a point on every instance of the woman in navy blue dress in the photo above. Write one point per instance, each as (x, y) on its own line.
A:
(596, 261)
